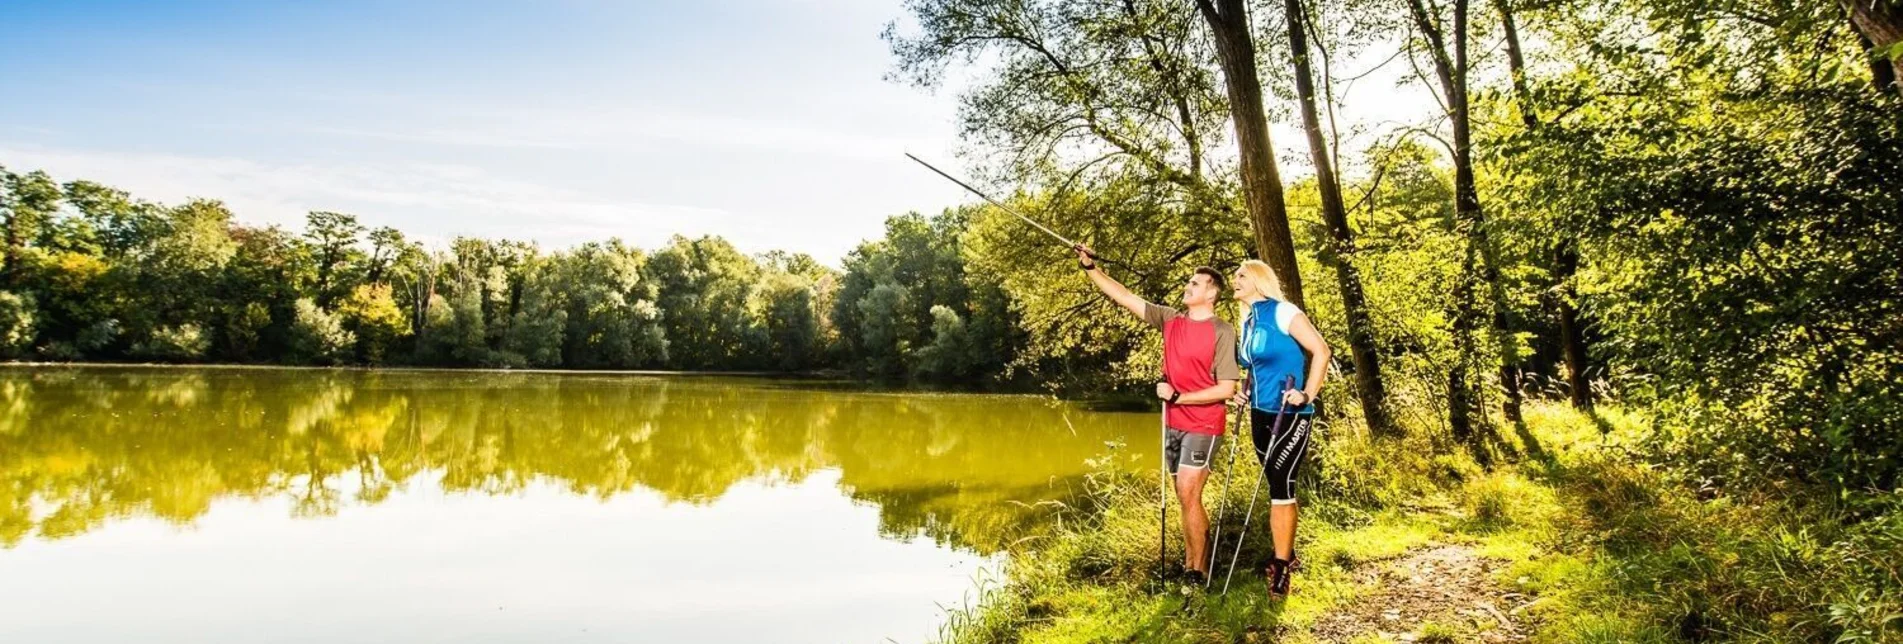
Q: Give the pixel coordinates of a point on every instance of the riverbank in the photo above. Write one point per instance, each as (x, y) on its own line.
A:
(1578, 539)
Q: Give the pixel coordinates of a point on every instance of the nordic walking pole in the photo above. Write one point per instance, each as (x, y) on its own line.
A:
(1262, 477)
(1229, 476)
(1163, 500)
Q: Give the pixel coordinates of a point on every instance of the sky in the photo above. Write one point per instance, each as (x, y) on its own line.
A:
(768, 122)
(561, 121)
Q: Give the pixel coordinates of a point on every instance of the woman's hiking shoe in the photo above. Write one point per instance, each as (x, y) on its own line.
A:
(1280, 572)
(1195, 578)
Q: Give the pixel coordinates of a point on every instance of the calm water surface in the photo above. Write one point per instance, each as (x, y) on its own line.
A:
(240, 505)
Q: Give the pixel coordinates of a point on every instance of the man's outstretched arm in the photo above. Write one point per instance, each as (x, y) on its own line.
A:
(1111, 288)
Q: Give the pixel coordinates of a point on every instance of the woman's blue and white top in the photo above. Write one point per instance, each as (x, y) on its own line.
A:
(1271, 354)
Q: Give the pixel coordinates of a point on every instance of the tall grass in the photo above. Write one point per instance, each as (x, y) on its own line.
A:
(1608, 544)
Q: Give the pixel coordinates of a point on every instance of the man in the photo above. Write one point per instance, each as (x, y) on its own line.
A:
(1199, 375)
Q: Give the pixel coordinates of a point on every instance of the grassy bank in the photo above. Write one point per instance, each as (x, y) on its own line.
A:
(1575, 537)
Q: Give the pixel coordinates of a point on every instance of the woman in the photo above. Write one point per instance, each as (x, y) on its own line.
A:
(1284, 359)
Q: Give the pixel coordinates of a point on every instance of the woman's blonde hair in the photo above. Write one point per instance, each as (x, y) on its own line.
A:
(1262, 278)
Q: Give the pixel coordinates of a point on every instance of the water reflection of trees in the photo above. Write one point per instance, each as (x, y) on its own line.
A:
(81, 447)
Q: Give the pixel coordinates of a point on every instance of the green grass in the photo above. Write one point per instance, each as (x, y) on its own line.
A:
(1606, 545)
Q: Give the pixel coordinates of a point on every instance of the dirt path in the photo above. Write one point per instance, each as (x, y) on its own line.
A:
(1449, 585)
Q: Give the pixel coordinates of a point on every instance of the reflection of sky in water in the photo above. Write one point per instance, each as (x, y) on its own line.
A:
(540, 565)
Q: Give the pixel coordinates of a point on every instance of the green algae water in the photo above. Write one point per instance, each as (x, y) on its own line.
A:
(241, 505)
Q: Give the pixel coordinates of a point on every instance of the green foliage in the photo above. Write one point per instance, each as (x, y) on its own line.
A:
(913, 306)
(18, 314)
(244, 328)
(535, 333)
(318, 336)
(1774, 216)
(706, 288)
(790, 314)
(465, 337)
(182, 343)
(97, 337)
(332, 237)
(371, 315)
(612, 318)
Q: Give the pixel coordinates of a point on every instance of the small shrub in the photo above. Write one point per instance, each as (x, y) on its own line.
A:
(174, 343)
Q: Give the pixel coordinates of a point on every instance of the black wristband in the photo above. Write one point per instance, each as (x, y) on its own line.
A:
(1088, 267)
(1175, 395)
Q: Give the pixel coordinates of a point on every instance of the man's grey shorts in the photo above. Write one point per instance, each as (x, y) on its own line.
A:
(1188, 449)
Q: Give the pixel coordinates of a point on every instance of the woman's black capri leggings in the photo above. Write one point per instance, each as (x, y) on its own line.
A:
(1280, 450)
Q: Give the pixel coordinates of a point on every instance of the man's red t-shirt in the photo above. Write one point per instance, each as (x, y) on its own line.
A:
(1196, 354)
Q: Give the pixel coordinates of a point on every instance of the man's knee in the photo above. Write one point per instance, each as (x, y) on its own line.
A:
(1189, 484)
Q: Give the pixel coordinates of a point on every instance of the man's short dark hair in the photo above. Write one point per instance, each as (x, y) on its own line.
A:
(1215, 277)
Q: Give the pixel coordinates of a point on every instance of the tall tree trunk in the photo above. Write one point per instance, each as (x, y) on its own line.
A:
(1261, 180)
(1369, 385)
(1566, 251)
(1516, 65)
(1451, 71)
(1460, 390)
(1880, 24)
(1572, 337)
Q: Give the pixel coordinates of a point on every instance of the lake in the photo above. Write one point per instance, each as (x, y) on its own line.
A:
(241, 505)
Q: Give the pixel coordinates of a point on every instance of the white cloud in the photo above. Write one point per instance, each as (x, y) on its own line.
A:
(451, 199)
(573, 128)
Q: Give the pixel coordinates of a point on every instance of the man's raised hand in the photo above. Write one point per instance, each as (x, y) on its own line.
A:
(1085, 258)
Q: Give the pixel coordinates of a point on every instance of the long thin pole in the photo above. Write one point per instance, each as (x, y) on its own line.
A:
(994, 202)
(1262, 472)
(1229, 476)
(1163, 499)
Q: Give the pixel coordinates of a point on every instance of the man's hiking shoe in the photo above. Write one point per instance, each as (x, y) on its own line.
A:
(1280, 573)
(1195, 578)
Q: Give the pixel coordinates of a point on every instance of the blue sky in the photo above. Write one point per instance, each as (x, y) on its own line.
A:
(765, 121)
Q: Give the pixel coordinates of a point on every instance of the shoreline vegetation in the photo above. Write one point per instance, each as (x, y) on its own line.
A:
(1577, 541)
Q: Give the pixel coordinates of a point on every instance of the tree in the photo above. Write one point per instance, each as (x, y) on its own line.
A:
(387, 247)
(705, 288)
(1363, 347)
(613, 321)
(185, 263)
(17, 313)
(371, 315)
(333, 240)
(244, 330)
(465, 337)
(1562, 297)
(1086, 100)
(792, 322)
(885, 338)
(27, 205)
(318, 336)
(258, 292)
(536, 332)
(1261, 180)
(120, 224)
(950, 356)
(1879, 25)
(1446, 46)
(73, 290)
